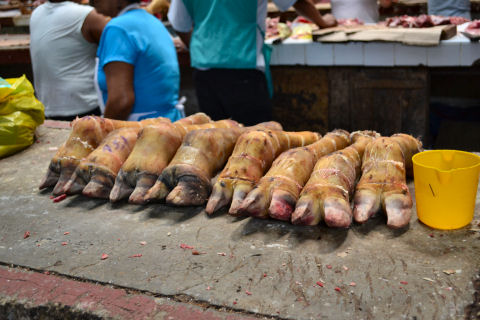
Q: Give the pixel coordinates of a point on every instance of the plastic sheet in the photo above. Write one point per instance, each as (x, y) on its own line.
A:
(20, 114)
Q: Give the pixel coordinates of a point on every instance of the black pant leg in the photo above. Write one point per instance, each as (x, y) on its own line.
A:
(239, 94)
(248, 101)
(94, 112)
(244, 95)
(206, 91)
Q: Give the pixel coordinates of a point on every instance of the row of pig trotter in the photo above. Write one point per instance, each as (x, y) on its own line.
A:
(155, 160)
(87, 134)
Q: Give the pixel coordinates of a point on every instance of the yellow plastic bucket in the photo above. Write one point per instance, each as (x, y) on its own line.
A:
(446, 184)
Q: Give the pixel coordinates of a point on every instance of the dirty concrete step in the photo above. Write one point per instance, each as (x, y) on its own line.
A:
(26, 294)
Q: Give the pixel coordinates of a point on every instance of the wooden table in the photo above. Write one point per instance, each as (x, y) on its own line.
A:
(14, 49)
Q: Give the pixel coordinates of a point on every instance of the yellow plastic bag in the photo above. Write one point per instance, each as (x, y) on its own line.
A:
(20, 114)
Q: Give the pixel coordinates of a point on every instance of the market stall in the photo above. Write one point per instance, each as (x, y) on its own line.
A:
(245, 219)
(366, 84)
(266, 267)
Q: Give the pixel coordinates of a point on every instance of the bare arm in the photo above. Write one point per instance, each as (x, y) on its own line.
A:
(307, 9)
(158, 6)
(387, 3)
(185, 37)
(121, 94)
(93, 26)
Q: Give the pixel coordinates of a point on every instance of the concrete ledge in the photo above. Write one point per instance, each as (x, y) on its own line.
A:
(57, 124)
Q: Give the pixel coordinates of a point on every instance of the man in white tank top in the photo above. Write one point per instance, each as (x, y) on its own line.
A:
(63, 43)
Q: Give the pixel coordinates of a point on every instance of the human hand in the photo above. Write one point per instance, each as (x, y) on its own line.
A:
(179, 45)
(328, 21)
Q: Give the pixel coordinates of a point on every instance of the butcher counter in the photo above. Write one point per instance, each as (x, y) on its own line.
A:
(378, 85)
(247, 267)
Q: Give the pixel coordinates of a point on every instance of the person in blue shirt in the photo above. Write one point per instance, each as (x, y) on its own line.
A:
(138, 72)
(449, 8)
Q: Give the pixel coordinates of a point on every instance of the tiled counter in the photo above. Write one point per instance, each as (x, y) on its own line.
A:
(365, 85)
(458, 51)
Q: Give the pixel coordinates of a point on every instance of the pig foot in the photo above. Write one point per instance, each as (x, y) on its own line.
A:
(306, 213)
(144, 183)
(220, 197)
(239, 194)
(366, 204)
(398, 207)
(190, 191)
(100, 185)
(338, 213)
(282, 205)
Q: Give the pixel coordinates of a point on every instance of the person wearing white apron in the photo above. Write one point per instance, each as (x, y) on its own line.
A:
(449, 8)
(228, 53)
(364, 10)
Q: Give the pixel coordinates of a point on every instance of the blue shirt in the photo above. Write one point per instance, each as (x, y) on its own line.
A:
(138, 38)
(450, 8)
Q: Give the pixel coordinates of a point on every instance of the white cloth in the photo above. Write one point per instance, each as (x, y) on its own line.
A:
(365, 10)
(182, 22)
(63, 61)
(101, 104)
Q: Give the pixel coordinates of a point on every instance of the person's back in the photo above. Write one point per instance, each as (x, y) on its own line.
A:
(450, 8)
(228, 53)
(63, 60)
(365, 10)
(138, 38)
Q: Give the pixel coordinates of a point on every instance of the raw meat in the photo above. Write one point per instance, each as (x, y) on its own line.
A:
(386, 162)
(87, 133)
(202, 154)
(155, 147)
(252, 156)
(277, 192)
(95, 175)
(422, 21)
(328, 191)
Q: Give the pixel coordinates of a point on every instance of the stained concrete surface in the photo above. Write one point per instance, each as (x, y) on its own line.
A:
(261, 266)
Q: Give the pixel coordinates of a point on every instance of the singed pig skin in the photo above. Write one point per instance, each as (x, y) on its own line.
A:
(277, 192)
(386, 162)
(252, 156)
(95, 175)
(186, 180)
(155, 148)
(87, 133)
(327, 193)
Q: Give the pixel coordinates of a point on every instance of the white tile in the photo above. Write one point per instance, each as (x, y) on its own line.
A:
(410, 55)
(378, 54)
(459, 38)
(445, 54)
(296, 41)
(291, 54)
(348, 54)
(470, 52)
(319, 54)
(274, 57)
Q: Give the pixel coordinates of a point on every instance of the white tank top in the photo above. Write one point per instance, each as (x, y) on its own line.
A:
(63, 61)
(365, 10)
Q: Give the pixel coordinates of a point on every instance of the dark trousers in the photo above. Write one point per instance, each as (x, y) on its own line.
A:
(238, 94)
(94, 112)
